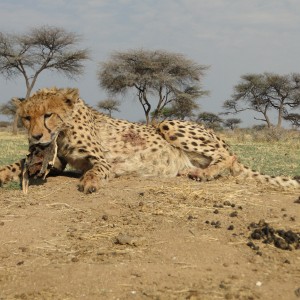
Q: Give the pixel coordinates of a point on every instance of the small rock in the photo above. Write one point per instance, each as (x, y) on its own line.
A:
(252, 246)
(218, 224)
(105, 217)
(281, 244)
(233, 214)
(258, 283)
(125, 239)
(230, 227)
(256, 234)
(74, 259)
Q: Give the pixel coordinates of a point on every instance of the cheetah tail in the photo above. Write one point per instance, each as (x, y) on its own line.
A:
(240, 170)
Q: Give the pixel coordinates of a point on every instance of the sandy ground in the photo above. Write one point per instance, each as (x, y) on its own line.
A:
(147, 239)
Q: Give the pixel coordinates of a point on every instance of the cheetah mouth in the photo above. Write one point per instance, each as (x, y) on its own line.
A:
(44, 144)
(40, 145)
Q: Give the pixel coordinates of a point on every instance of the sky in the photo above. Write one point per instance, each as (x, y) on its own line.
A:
(233, 37)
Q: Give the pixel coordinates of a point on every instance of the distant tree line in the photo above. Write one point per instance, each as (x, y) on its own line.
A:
(166, 84)
(267, 92)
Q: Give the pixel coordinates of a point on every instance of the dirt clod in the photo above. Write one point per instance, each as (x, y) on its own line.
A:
(105, 217)
(233, 214)
(285, 240)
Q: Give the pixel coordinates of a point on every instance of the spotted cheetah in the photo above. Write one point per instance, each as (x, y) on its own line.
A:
(102, 147)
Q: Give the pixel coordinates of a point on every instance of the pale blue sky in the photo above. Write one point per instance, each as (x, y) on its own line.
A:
(234, 37)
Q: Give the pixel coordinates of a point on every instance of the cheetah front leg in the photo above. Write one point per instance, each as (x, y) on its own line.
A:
(91, 180)
(11, 172)
(14, 172)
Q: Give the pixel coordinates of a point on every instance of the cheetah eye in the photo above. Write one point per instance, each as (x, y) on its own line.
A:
(48, 115)
(27, 118)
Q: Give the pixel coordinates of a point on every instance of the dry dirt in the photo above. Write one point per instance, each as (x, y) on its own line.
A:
(146, 239)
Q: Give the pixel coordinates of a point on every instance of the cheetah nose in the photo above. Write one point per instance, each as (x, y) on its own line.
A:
(37, 137)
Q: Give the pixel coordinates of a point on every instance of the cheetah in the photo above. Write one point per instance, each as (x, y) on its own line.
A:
(102, 147)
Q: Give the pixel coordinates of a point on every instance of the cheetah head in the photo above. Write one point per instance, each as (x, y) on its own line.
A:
(46, 113)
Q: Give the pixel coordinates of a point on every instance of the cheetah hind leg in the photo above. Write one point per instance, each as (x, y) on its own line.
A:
(213, 171)
(208, 154)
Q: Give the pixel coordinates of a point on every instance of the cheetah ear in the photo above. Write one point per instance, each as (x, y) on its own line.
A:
(17, 101)
(71, 95)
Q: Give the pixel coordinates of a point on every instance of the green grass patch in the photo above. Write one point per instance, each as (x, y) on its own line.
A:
(12, 147)
(273, 158)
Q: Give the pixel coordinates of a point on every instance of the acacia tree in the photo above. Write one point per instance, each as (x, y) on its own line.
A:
(9, 109)
(109, 105)
(211, 120)
(232, 123)
(40, 49)
(181, 108)
(266, 92)
(293, 118)
(159, 78)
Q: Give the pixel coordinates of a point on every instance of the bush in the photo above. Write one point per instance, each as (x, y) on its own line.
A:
(264, 135)
(5, 124)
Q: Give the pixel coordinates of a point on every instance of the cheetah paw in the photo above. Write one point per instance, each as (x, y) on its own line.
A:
(89, 183)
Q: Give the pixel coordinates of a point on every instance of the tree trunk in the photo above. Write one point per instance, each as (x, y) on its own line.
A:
(269, 124)
(15, 124)
(146, 107)
(279, 120)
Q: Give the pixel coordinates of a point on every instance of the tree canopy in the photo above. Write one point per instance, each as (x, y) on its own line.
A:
(109, 105)
(44, 48)
(293, 118)
(232, 123)
(8, 109)
(211, 120)
(158, 77)
(266, 92)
